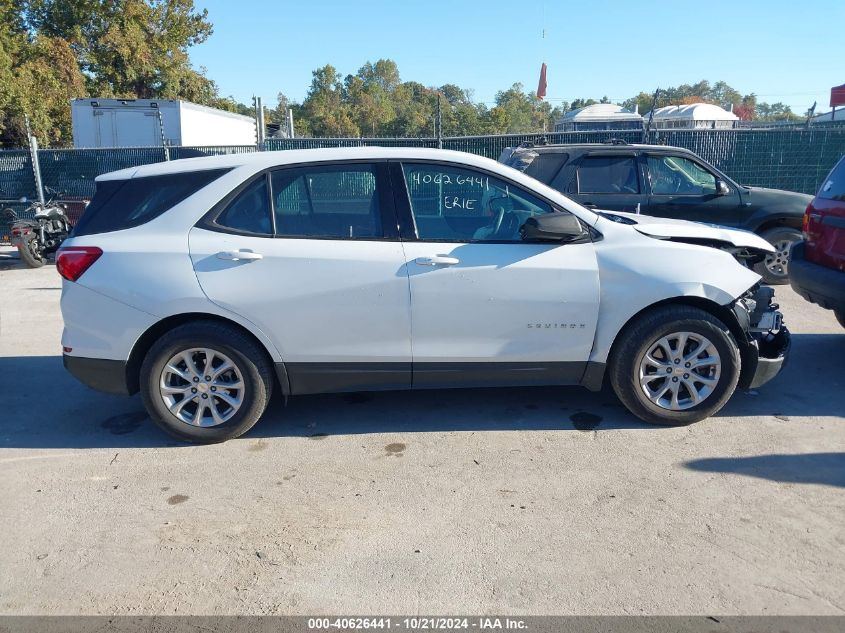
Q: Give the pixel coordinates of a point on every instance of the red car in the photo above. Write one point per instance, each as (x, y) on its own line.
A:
(817, 265)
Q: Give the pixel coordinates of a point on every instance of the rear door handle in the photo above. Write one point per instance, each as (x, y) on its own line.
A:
(437, 260)
(239, 256)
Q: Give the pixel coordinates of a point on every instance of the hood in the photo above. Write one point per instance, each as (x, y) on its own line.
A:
(695, 232)
(777, 198)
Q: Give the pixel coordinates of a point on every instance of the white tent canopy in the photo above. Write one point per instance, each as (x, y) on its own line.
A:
(693, 115)
(601, 112)
(599, 116)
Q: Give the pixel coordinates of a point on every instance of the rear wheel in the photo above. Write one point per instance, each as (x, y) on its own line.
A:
(840, 316)
(206, 382)
(30, 252)
(775, 268)
(675, 365)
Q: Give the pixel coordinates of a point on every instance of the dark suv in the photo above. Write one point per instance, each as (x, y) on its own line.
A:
(667, 182)
(818, 272)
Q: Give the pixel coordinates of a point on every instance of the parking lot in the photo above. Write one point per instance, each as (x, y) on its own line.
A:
(531, 501)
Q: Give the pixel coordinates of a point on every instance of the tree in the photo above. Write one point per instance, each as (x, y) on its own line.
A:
(582, 103)
(775, 112)
(38, 77)
(131, 48)
(324, 106)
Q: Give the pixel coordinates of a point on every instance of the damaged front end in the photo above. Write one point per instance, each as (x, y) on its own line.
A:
(767, 340)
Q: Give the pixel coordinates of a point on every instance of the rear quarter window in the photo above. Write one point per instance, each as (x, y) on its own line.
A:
(833, 187)
(542, 166)
(123, 204)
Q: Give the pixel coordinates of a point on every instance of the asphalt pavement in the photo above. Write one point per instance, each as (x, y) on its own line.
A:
(508, 501)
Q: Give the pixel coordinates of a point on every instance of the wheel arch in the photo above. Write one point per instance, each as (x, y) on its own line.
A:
(722, 312)
(157, 330)
(780, 222)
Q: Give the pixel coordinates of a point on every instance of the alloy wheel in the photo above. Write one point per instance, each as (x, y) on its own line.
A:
(777, 263)
(680, 370)
(202, 387)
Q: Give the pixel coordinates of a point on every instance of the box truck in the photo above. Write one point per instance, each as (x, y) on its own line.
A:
(156, 122)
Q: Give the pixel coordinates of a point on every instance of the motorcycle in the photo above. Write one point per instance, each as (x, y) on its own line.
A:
(41, 236)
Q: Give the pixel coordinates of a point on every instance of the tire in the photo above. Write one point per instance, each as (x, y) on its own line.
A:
(775, 269)
(27, 250)
(840, 316)
(250, 368)
(628, 360)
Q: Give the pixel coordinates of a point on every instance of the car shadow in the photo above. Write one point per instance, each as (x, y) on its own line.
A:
(827, 469)
(10, 260)
(812, 382)
(47, 408)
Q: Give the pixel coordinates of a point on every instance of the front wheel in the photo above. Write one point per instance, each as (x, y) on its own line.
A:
(840, 316)
(675, 365)
(205, 382)
(775, 268)
(30, 252)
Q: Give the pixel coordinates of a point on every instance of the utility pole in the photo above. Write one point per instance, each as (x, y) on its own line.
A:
(36, 166)
(439, 125)
(259, 122)
(163, 138)
(650, 116)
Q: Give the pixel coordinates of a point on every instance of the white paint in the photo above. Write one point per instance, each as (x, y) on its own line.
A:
(135, 123)
(350, 300)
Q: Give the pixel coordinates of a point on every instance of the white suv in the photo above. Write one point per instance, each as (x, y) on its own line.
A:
(207, 283)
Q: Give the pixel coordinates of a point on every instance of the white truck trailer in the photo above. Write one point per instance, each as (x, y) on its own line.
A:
(156, 122)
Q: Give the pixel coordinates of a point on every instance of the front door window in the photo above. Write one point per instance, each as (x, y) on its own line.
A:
(460, 205)
(674, 175)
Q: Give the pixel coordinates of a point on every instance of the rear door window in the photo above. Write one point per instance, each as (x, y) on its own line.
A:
(542, 166)
(123, 204)
(329, 202)
(608, 174)
(249, 212)
(834, 187)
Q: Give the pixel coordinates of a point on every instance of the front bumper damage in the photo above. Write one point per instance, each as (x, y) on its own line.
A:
(767, 339)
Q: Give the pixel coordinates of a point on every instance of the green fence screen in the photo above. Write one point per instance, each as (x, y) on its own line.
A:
(796, 159)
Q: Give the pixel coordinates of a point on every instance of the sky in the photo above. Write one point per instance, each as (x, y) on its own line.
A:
(781, 50)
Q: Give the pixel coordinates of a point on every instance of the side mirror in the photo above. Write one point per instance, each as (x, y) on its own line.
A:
(722, 188)
(552, 227)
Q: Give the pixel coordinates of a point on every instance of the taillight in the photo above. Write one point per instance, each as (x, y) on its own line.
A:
(805, 223)
(72, 261)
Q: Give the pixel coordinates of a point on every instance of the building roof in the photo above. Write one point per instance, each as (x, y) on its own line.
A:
(601, 112)
(830, 116)
(694, 112)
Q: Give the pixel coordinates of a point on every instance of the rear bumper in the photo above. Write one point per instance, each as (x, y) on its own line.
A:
(817, 284)
(99, 373)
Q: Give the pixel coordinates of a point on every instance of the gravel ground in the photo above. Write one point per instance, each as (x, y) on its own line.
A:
(523, 501)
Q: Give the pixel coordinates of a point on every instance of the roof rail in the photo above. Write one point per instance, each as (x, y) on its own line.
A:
(615, 141)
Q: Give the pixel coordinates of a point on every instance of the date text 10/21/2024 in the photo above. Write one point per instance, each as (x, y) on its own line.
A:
(487, 623)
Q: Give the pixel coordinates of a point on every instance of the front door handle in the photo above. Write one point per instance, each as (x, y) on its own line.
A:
(437, 260)
(239, 256)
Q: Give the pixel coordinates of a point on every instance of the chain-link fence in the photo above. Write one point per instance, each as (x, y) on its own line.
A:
(796, 159)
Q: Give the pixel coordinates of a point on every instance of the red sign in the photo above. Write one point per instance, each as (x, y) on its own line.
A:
(837, 96)
(541, 87)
